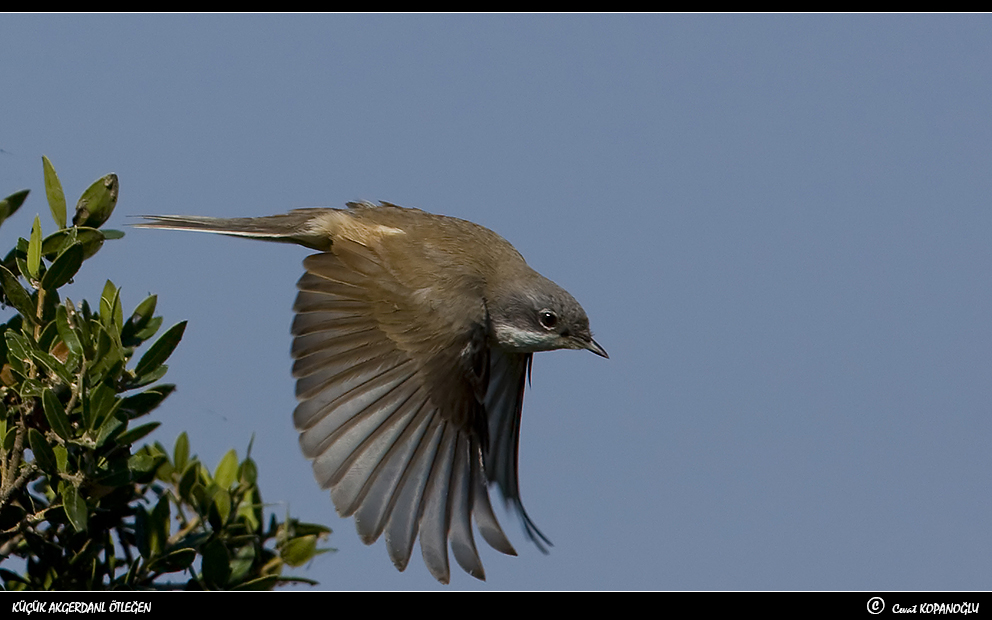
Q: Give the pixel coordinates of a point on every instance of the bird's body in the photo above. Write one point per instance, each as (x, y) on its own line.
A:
(413, 338)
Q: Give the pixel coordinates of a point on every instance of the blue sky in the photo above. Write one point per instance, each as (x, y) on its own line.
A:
(779, 227)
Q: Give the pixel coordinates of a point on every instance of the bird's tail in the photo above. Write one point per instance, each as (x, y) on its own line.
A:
(292, 227)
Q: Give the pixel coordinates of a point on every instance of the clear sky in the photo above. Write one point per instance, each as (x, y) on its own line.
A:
(780, 227)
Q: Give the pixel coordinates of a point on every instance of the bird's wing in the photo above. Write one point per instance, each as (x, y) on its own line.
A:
(504, 403)
(391, 409)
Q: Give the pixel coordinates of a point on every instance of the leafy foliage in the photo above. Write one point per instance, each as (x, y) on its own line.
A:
(78, 504)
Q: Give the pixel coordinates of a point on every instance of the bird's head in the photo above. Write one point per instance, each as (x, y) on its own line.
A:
(538, 315)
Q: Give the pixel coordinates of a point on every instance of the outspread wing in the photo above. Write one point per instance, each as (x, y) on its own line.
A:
(392, 409)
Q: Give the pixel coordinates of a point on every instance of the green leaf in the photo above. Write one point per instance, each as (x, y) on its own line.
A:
(299, 550)
(260, 584)
(10, 260)
(173, 562)
(148, 378)
(161, 350)
(137, 433)
(31, 388)
(118, 316)
(220, 508)
(242, 563)
(10, 204)
(54, 367)
(19, 355)
(248, 471)
(97, 202)
(115, 474)
(90, 238)
(138, 320)
(304, 529)
(82, 321)
(158, 525)
(55, 243)
(143, 463)
(227, 470)
(107, 296)
(249, 512)
(18, 346)
(61, 457)
(21, 258)
(18, 367)
(111, 233)
(180, 454)
(142, 404)
(16, 294)
(55, 414)
(75, 507)
(216, 564)
(148, 330)
(64, 268)
(34, 249)
(111, 314)
(144, 311)
(107, 429)
(142, 533)
(194, 540)
(131, 577)
(66, 332)
(44, 457)
(103, 403)
(108, 355)
(14, 578)
(46, 340)
(53, 189)
(189, 479)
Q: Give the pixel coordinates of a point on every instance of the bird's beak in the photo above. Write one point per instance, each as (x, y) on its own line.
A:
(593, 346)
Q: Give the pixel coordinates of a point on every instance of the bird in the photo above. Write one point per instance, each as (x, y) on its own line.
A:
(413, 339)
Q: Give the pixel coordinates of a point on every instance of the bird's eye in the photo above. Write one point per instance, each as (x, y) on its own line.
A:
(548, 319)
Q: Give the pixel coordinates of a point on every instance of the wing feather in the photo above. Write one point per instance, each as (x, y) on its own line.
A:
(504, 404)
(369, 447)
(338, 435)
(390, 413)
(482, 509)
(435, 520)
(404, 519)
(371, 514)
(460, 512)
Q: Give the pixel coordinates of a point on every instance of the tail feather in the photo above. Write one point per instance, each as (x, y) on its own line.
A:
(292, 227)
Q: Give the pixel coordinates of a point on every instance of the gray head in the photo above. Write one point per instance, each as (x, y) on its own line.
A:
(539, 315)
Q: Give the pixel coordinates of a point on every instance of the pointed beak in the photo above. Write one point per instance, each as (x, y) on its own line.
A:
(593, 346)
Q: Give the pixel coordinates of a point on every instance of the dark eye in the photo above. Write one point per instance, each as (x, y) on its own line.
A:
(548, 319)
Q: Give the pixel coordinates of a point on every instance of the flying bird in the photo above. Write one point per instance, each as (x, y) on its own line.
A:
(413, 339)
